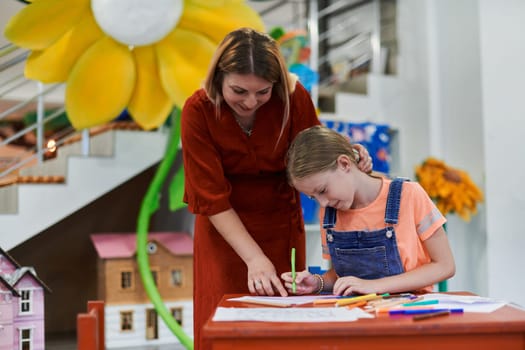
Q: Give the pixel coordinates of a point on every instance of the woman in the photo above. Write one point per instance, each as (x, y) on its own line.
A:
(235, 134)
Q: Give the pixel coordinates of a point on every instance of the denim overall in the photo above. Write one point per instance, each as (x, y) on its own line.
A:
(366, 254)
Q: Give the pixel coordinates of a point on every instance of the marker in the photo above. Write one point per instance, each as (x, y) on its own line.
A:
(343, 302)
(422, 311)
(294, 288)
(389, 303)
(431, 315)
(424, 302)
(400, 308)
(358, 304)
(331, 300)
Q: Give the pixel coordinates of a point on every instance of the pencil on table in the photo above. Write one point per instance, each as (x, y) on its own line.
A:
(393, 303)
(431, 315)
(344, 302)
(266, 303)
(358, 304)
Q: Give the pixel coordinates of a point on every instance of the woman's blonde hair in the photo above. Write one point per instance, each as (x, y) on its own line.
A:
(247, 51)
(315, 150)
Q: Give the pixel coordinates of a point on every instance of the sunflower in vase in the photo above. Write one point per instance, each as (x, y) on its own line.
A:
(452, 189)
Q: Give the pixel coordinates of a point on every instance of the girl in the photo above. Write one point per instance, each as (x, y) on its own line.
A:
(382, 236)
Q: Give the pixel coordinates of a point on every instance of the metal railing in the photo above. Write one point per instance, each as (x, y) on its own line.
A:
(13, 83)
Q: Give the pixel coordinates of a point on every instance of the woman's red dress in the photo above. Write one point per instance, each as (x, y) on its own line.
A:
(224, 168)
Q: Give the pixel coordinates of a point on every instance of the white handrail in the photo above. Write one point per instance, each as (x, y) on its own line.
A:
(11, 82)
(28, 101)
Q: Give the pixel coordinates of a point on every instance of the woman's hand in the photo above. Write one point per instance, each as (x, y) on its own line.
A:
(305, 282)
(262, 277)
(365, 161)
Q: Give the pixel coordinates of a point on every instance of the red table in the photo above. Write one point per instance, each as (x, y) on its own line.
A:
(503, 329)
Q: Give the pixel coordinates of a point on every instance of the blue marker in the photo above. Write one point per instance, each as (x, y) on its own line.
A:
(423, 311)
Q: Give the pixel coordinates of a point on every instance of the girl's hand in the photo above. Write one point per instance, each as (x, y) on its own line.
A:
(305, 282)
(365, 161)
(348, 285)
(263, 279)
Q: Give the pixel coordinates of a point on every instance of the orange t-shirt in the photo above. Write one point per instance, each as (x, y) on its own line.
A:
(418, 220)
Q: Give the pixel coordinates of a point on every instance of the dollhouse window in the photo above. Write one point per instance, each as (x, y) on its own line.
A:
(126, 279)
(152, 248)
(177, 314)
(155, 275)
(25, 302)
(176, 277)
(126, 321)
(26, 339)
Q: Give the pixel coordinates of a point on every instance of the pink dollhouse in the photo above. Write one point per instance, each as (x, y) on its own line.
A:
(21, 306)
(130, 318)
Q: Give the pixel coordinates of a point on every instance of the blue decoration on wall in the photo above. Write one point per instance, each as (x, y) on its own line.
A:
(375, 137)
(310, 209)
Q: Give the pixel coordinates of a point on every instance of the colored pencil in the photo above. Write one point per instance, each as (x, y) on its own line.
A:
(421, 311)
(344, 302)
(431, 315)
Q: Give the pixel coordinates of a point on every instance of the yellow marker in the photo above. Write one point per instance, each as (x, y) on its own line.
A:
(346, 301)
(387, 303)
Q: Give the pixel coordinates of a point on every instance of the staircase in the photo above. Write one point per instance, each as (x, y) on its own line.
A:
(39, 188)
(116, 156)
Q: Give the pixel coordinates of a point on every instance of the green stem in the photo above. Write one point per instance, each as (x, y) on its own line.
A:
(149, 205)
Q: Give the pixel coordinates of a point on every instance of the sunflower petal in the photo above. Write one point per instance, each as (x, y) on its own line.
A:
(149, 105)
(183, 62)
(208, 3)
(43, 65)
(43, 22)
(216, 22)
(100, 84)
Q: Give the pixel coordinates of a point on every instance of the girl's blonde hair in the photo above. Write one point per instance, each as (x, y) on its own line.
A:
(247, 51)
(315, 150)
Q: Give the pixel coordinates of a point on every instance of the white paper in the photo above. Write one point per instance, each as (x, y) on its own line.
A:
(469, 303)
(266, 314)
(290, 300)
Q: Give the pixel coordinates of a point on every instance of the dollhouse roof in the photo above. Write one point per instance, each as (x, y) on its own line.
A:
(10, 280)
(26, 271)
(124, 245)
(9, 257)
(5, 282)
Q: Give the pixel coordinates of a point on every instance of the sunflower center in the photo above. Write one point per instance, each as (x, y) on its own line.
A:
(137, 22)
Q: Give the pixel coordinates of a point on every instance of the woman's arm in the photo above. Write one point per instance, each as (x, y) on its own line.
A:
(260, 268)
(440, 267)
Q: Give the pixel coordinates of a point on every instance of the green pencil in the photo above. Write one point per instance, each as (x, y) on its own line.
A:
(293, 270)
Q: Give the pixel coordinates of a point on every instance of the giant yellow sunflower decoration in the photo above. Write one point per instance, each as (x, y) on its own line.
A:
(144, 55)
(452, 189)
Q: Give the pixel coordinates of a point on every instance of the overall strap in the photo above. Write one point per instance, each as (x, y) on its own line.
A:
(394, 200)
(330, 215)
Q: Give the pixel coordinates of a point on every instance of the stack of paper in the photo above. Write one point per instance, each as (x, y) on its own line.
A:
(290, 314)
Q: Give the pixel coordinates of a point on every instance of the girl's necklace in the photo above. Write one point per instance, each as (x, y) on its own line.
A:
(247, 131)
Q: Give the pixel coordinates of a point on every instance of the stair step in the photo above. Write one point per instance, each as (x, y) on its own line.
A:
(40, 205)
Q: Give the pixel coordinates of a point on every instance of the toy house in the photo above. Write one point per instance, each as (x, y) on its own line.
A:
(130, 318)
(21, 306)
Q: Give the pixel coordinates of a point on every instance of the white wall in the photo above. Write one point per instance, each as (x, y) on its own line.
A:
(456, 128)
(503, 55)
(458, 96)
